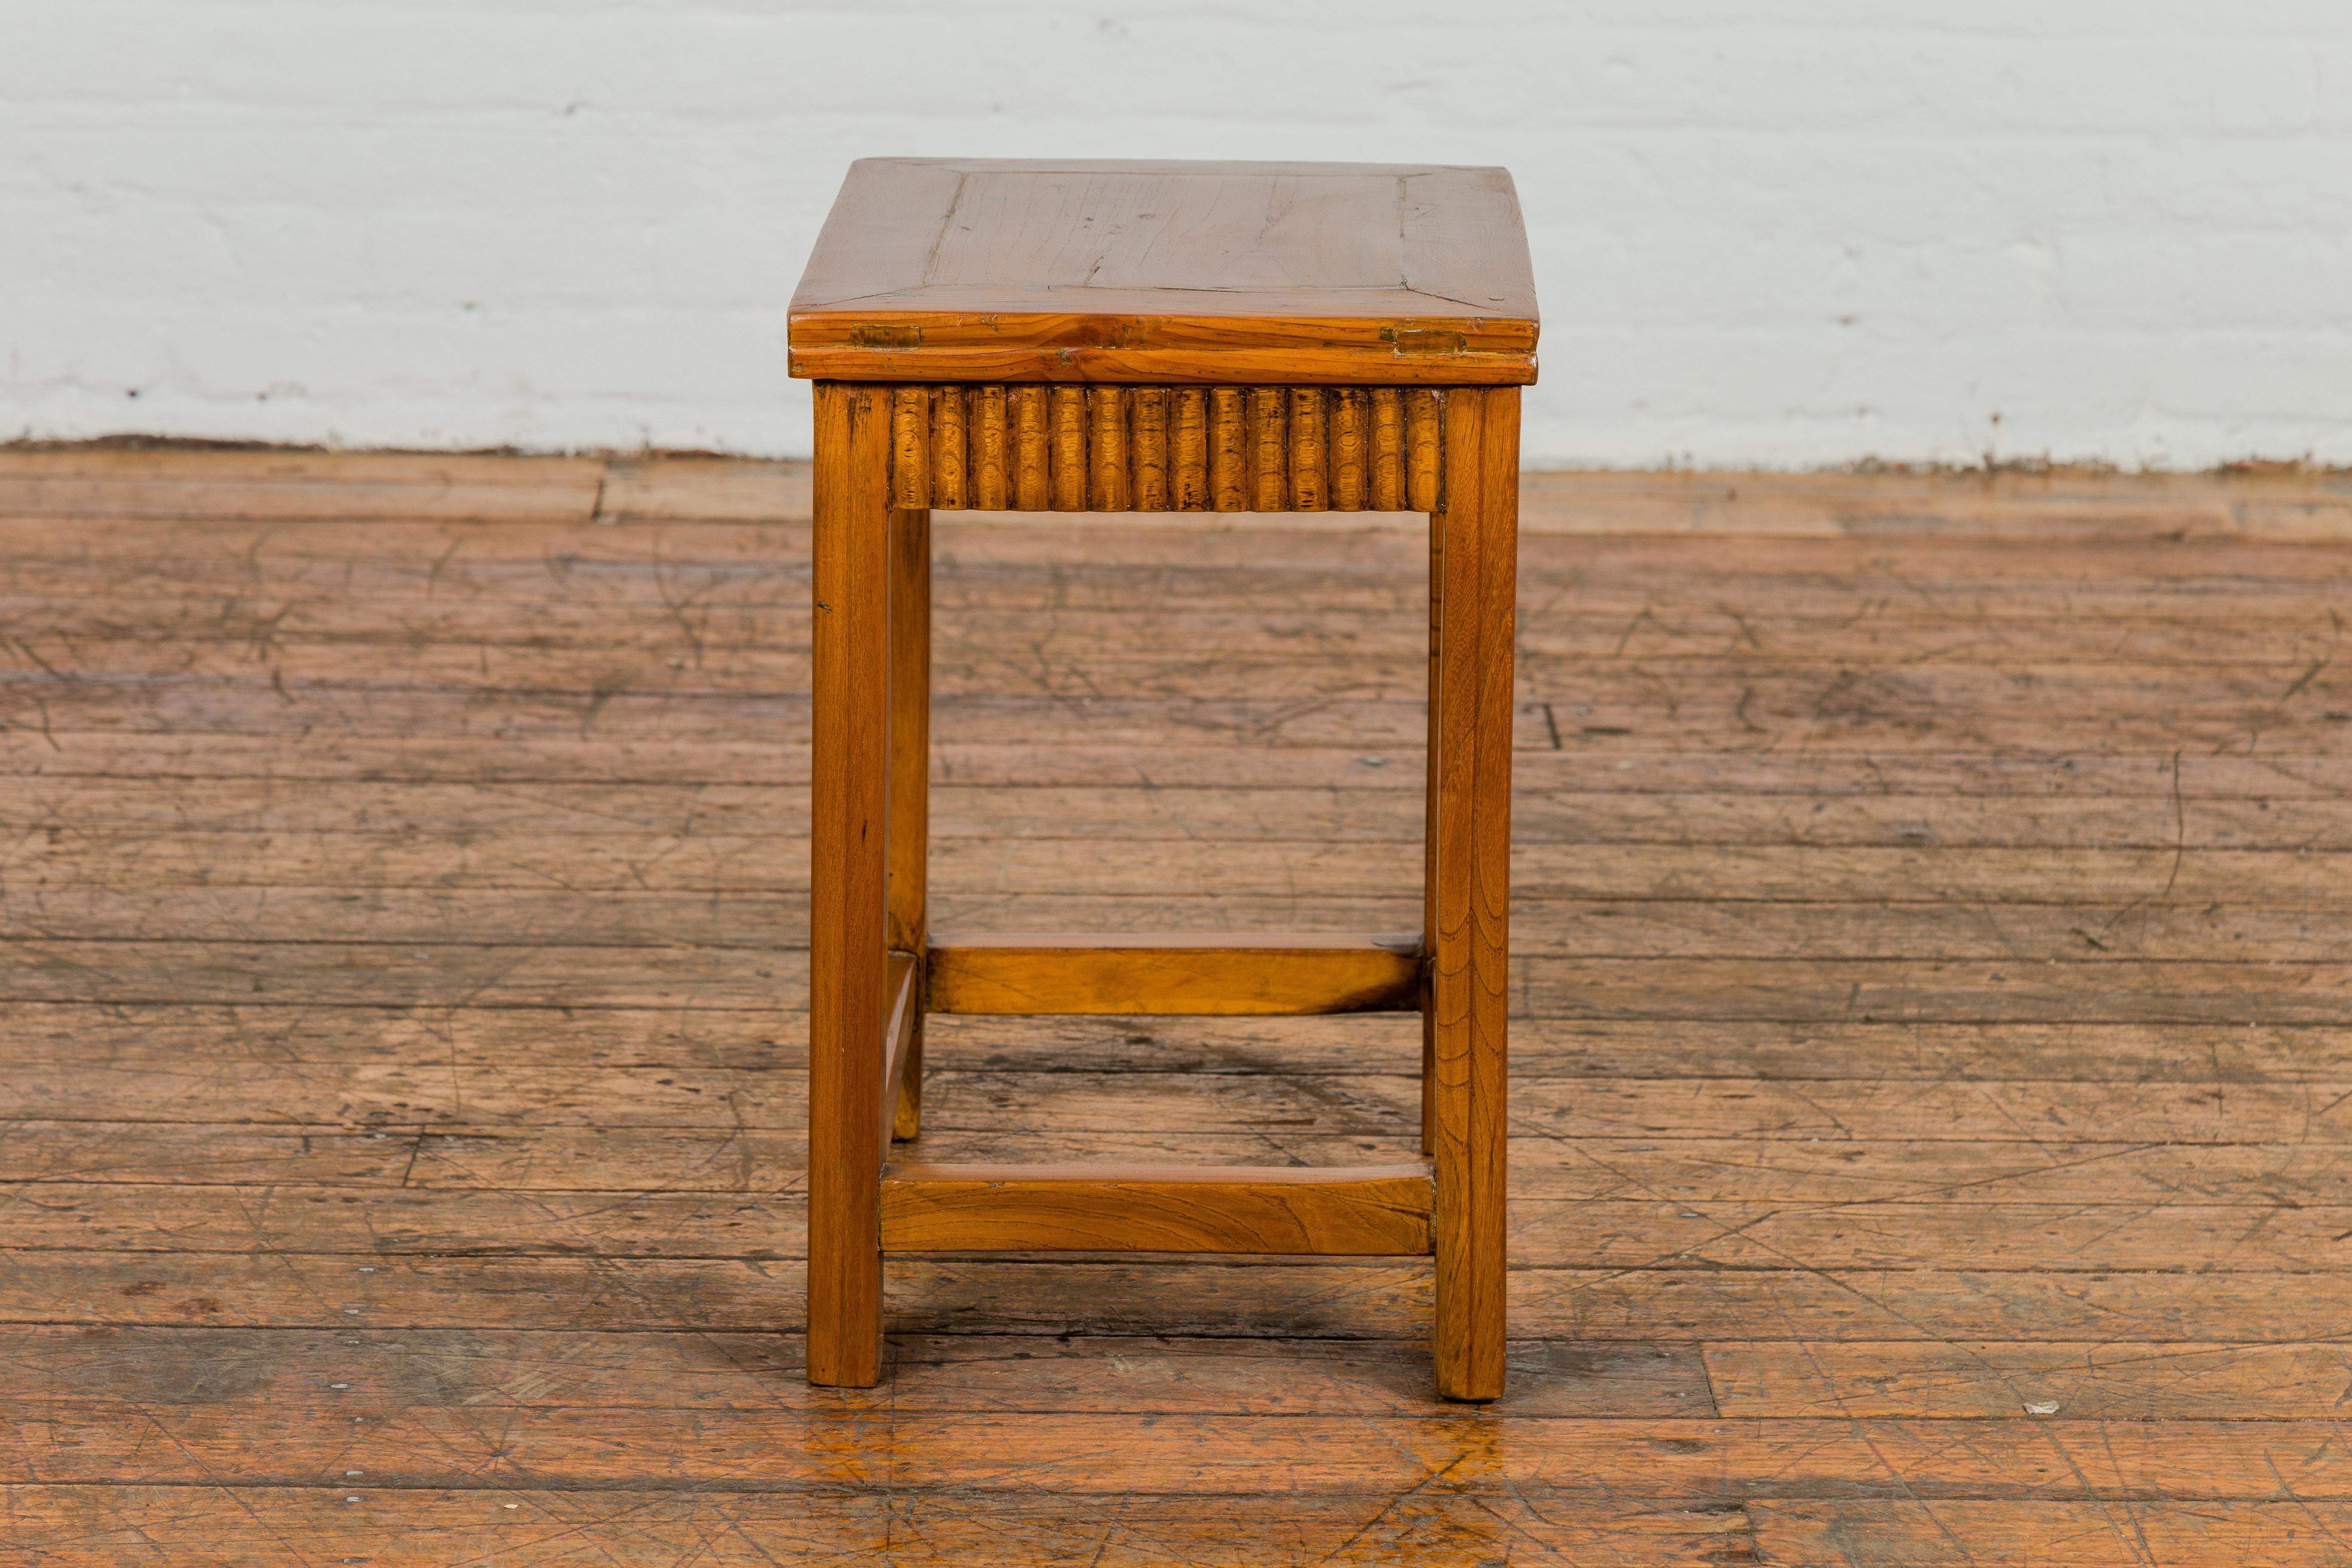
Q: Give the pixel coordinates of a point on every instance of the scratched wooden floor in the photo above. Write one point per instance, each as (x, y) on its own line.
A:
(1933, 1056)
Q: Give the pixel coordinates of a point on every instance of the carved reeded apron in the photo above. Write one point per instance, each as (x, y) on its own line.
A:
(1160, 337)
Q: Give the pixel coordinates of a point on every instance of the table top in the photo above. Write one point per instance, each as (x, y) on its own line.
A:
(981, 269)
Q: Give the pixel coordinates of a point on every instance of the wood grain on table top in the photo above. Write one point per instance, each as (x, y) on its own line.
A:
(995, 271)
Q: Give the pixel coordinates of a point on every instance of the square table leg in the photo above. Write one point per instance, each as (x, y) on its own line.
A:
(848, 878)
(910, 790)
(1468, 894)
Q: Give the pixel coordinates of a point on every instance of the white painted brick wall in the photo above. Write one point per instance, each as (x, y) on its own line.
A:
(1781, 232)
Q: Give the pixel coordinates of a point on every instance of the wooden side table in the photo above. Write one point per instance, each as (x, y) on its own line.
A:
(1164, 337)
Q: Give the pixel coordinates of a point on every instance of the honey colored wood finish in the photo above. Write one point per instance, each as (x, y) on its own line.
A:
(978, 270)
(1474, 571)
(849, 766)
(1203, 975)
(910, 738)
(909, 827)
(1371, 1211)
(1263, 448)
(1231, 448)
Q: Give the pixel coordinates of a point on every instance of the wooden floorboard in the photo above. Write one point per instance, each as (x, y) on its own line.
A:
(1932, 1025)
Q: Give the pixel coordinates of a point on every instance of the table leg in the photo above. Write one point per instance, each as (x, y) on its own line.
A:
(1469, 895)
(911, 780)
(1429, 837)
(849, 765)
